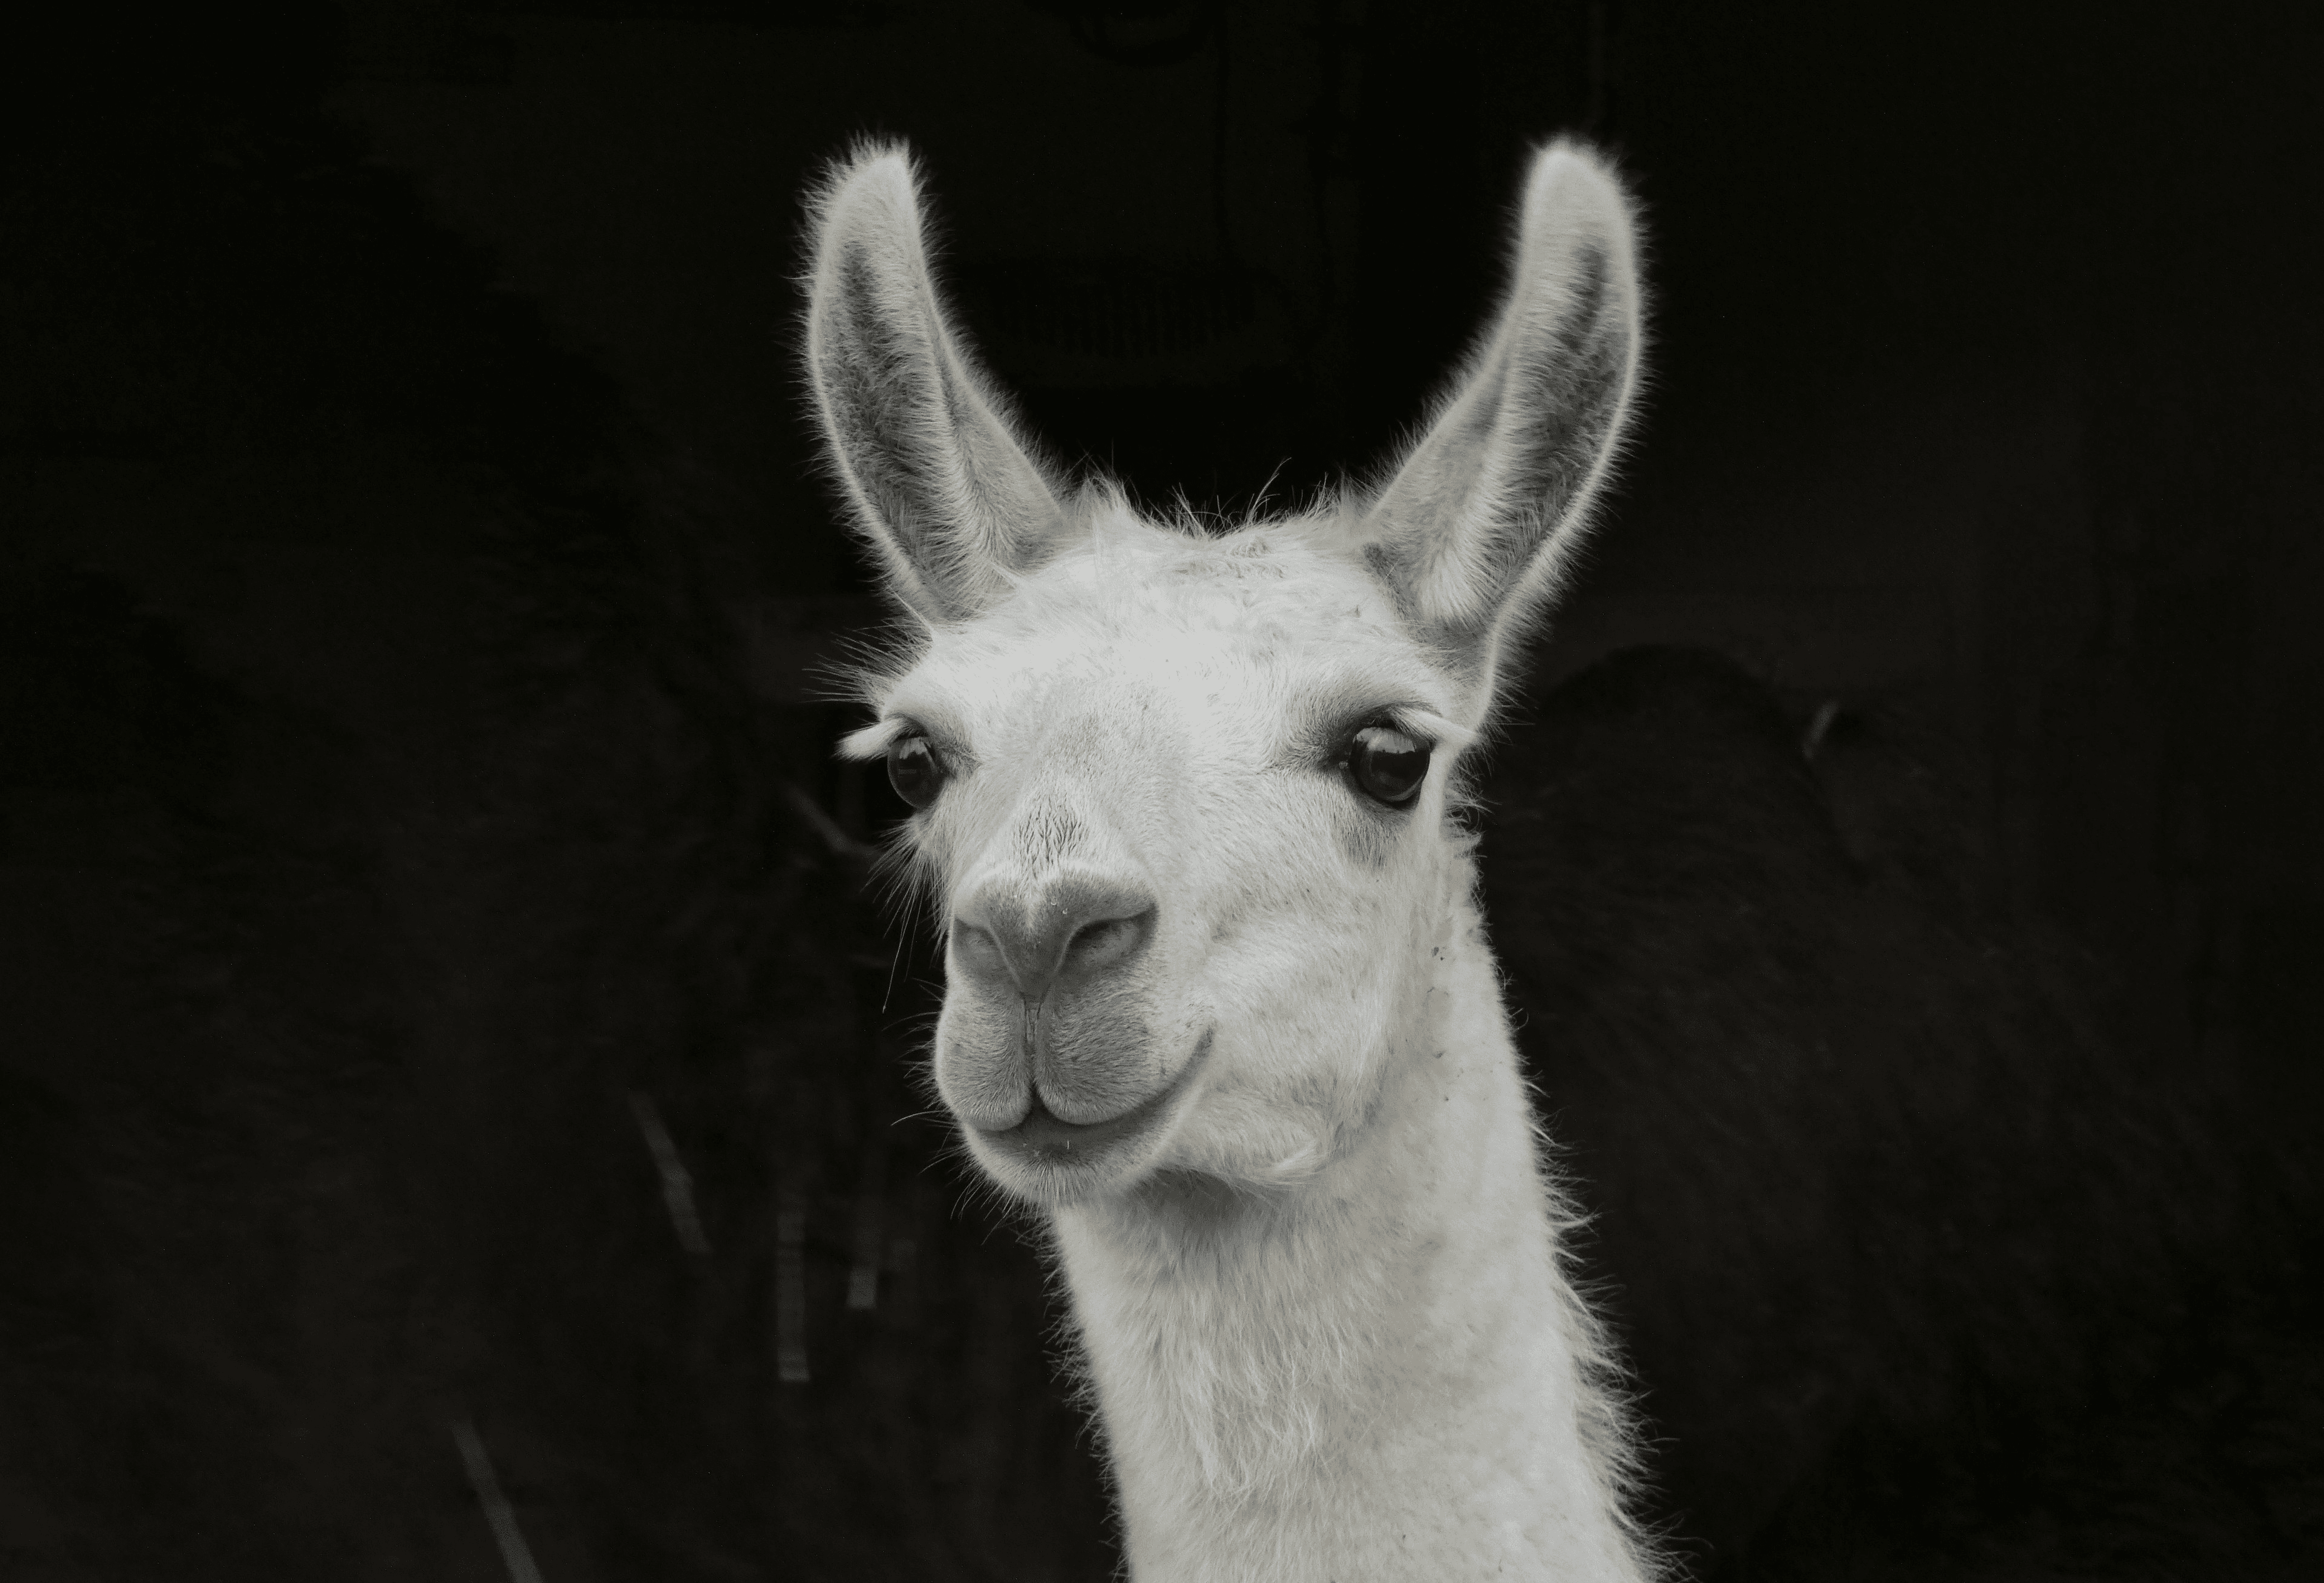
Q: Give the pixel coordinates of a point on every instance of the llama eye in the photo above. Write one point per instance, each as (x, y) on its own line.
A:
(914, 771)
(1387, 765)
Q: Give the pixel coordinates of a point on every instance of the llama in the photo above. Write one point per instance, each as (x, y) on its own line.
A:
(1218, 1000)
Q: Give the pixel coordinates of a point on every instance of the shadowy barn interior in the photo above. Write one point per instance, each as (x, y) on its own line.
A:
(458, 1105)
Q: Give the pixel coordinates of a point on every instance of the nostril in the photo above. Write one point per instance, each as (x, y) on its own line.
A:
(1095, 947)
(978, 952)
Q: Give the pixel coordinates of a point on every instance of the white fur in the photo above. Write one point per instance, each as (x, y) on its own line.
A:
(1326, 1326)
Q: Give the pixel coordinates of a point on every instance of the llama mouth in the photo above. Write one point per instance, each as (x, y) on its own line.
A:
(1042, 1138)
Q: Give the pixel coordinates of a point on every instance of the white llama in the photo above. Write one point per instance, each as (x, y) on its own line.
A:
(1219, 1000)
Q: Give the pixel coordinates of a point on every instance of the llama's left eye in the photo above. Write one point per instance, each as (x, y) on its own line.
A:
(1387, 764)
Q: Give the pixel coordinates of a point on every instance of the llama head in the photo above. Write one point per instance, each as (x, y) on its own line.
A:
(1184, 801)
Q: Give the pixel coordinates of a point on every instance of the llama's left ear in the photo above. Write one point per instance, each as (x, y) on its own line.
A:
(948, 497)
(1479, 522)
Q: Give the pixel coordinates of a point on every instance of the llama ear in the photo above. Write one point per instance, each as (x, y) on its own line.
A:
(1481, 519)
(941, 487)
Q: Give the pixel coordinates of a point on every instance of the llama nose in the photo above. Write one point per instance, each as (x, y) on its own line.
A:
(1064, 932)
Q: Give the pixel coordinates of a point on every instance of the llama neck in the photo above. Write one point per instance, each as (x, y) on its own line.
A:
(1381, 1372)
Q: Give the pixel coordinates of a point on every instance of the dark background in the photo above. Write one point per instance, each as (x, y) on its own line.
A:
(418, 817)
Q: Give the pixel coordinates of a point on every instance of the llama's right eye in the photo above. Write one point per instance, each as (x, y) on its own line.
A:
(914, 771)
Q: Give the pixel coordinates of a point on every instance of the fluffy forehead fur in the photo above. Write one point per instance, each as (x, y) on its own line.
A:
(1255, 651)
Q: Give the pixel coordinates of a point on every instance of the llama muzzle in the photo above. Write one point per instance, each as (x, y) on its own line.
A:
(1049, 1004)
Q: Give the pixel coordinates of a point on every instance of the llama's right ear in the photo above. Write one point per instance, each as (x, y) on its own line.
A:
(946, 493)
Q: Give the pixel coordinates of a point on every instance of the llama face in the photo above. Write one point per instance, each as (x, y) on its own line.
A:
(1184, 798)
(1186, 851)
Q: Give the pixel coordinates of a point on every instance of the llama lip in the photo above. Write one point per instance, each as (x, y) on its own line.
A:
(1043, 1139)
